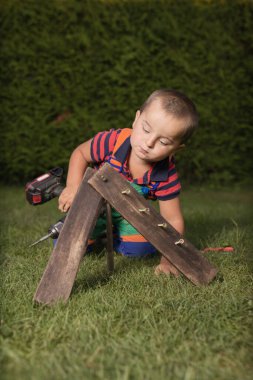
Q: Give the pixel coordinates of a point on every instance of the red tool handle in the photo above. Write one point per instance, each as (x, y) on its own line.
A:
(219, 249)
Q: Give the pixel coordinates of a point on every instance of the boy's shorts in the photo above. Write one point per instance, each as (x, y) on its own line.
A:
(126, 239)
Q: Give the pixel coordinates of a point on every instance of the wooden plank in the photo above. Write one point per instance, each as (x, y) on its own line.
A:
(109, 239)
(126, 200)
(59, 276)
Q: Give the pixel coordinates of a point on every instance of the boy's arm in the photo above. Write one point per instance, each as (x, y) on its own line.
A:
(78, 163)
(171, 211)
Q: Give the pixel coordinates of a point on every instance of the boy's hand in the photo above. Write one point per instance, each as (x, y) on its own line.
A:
(166, 267)
(66, 198)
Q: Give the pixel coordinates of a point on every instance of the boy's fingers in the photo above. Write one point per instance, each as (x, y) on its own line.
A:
(63, 205)
(160, 269)
(66, 206)
(157, 270)
(174, 271)
(168, 269)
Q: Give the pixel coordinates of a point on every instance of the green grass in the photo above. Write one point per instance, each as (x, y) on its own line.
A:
(132, 325)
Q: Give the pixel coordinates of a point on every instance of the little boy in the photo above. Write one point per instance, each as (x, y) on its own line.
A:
(144, 156)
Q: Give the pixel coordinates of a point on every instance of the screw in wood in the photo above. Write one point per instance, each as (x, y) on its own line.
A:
(104, 179)
(146, 209)
(127, 191)
(163, 225)
(179, 242)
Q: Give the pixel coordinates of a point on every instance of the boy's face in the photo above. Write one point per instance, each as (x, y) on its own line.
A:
(156, 134)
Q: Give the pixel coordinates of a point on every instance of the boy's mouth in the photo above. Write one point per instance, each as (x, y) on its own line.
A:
(143, 151)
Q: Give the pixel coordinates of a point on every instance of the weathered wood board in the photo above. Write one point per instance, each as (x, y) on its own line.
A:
(59, 276)
(109, 239)
(137, 211)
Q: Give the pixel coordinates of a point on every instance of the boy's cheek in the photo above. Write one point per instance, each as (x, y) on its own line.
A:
(134, 140)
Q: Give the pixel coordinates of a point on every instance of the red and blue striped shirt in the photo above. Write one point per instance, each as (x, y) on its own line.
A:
(161, 179)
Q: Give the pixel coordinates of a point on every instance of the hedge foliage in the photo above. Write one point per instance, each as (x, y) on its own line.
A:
(72, 68)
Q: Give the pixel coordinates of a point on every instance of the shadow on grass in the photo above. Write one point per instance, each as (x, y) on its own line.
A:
(102, 277)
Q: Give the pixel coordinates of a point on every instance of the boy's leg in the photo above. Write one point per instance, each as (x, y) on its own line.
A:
(128, 241)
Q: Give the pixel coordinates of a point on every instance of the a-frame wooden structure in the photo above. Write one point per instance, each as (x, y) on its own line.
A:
(96, 188)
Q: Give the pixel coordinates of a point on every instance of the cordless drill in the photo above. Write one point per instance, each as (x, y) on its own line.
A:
(43, 188)
(40, 190)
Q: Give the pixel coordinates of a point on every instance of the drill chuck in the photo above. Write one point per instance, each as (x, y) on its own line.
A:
(53, 232)
(55, 229)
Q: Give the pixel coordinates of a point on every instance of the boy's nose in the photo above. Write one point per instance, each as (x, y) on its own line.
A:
(150, 142)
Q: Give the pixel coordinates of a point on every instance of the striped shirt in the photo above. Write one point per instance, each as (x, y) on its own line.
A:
(160, 181)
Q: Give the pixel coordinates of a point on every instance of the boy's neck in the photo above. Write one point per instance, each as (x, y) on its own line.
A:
(137, 167)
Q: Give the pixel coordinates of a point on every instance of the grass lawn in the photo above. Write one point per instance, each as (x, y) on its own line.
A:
(132, 325)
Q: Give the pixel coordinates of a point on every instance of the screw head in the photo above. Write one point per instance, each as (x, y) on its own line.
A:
(179, 242)
(163, 225)
(146, 209)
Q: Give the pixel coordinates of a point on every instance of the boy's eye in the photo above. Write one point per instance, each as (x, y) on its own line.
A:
(164, 142)
(146, 129)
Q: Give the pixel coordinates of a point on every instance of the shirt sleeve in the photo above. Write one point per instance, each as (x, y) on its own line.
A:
(102, 145)
(171, 188)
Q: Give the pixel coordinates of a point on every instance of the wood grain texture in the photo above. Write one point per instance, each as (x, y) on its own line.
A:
(59, 276)
(109, 239)
(186, 258)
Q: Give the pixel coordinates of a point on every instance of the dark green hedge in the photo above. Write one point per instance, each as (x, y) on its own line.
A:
(72, 68)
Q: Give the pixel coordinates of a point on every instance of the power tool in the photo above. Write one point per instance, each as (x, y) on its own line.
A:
(40, 190)
(53, 232)
(45, 187)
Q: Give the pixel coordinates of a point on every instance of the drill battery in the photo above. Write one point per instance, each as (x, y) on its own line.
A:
(44, 187)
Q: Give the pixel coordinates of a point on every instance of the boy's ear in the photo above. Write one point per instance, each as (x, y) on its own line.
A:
(137, 115)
